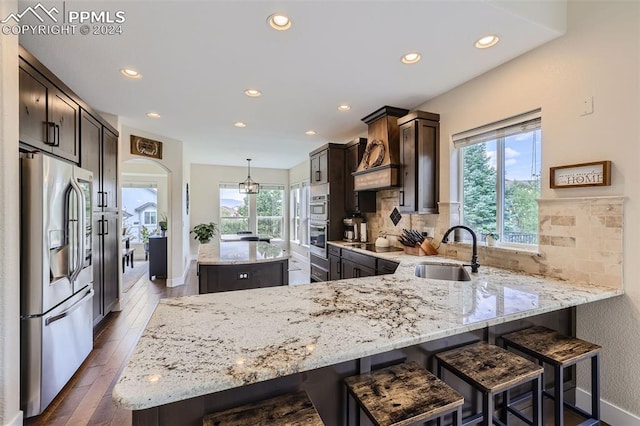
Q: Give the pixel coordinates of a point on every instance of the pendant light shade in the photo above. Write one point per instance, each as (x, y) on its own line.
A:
(249, 186)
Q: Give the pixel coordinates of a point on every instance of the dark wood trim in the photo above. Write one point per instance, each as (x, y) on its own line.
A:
(383, 112)
(606, 175)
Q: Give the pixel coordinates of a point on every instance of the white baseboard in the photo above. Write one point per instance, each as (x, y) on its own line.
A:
(16, 421)
(610, 413)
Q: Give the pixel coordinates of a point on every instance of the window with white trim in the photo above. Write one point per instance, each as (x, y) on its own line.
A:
(299, 223)
(262, 213)
(500, 178)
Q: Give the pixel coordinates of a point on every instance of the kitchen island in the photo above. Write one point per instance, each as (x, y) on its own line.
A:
(241, 265)
(204, 353)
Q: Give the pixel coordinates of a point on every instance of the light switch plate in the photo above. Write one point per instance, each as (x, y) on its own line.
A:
(587, 106)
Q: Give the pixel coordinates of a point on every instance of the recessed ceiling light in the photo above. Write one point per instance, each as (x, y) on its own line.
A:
(239, 124)
(344, 107)
(310, 133)
(130, 72)
(279, 22)
(253, 93)
(410, 58)
(487, 41)
(153, 115)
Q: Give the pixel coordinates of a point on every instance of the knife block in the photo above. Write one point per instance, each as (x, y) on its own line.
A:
(414, 251)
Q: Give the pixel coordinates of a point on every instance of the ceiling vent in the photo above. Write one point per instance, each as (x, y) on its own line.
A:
(380, 165)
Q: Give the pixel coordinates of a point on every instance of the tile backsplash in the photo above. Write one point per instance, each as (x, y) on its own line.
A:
(580, 239)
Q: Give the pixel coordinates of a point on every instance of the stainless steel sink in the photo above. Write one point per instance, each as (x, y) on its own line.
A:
(442, 272)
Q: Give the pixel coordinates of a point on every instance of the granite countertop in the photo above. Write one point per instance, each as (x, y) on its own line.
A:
(197, 345)
(240, 252)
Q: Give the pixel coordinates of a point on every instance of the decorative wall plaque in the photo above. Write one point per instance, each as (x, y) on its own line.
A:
(146, 147)
(579, 175)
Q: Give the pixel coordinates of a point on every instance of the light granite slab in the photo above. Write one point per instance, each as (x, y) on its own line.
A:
(198, 345)
(240, 252)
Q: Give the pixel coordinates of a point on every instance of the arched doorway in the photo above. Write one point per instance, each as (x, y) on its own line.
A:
(145, 205)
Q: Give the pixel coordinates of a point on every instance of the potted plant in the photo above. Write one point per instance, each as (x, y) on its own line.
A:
(163, 223)
(204, 232)
(144, 236)
(490, 236)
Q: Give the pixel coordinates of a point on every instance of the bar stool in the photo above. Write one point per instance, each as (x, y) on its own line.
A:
(284, 410)
(560, 351)
(492, 370)
(403, 394)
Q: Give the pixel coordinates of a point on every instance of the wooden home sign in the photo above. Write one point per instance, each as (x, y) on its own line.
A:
(580, 175)
(146, 147)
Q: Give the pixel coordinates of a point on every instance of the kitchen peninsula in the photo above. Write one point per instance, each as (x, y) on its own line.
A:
(205, 353)
(241, 265)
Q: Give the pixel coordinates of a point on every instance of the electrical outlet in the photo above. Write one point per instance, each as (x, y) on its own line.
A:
(430, 231)
(243, 275)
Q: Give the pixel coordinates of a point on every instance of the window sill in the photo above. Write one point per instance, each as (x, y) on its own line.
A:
(524, 250)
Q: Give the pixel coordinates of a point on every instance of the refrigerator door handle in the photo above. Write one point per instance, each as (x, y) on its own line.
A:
(80, 222)
(72, 308)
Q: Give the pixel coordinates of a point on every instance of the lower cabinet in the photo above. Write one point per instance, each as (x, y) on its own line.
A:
(319, 268)
(354, 270)
(157, 256)
(335, 267)
(218, 278)
(106, 264)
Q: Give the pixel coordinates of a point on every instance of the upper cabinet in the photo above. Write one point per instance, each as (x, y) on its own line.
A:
(356, 201)
(319, 167)
(419, 137)
(49, 119)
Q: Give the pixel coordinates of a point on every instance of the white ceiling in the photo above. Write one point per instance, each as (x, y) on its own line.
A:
(197, 57)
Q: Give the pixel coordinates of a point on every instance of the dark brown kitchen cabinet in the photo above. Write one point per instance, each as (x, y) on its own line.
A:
(105, 230)
(106, 261)
(319, 167)
(49, 119)
(419, 138)
(109, 170)
(335, 269)
(218, 278)
(356, 265)
(355, 270)
(361, 201)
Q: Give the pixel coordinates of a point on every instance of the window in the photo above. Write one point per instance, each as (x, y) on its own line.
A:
(150, 218)
(269, 211)
(298, 228)
(234, 210)
(140, 210)
(243, 212)
(500, 178)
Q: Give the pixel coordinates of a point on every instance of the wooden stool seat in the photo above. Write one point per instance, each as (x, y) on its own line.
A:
(403, 394)
(551, 346)
(285, 410)
(492, 370)
(560, 351)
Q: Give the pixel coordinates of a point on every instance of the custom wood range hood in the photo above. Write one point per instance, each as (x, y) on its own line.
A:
(380, 165)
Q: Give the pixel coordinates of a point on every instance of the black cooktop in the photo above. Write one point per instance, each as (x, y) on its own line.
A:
(372, 247)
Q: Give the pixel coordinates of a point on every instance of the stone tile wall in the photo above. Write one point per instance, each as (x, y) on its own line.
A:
(580, 239)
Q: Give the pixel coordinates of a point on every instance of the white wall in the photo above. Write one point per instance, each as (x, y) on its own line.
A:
(297, 174)
(598, 57)
(204, 191)
(173, 162)
(10, 413)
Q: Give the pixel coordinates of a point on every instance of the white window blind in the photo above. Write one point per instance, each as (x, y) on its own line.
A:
(526, 122)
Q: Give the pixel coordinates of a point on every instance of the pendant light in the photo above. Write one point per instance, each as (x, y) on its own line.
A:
(249, 186)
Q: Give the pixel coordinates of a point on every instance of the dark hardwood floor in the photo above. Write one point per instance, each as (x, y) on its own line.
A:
(86, 400)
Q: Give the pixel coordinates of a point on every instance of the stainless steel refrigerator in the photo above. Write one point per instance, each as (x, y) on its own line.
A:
(56, 277)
